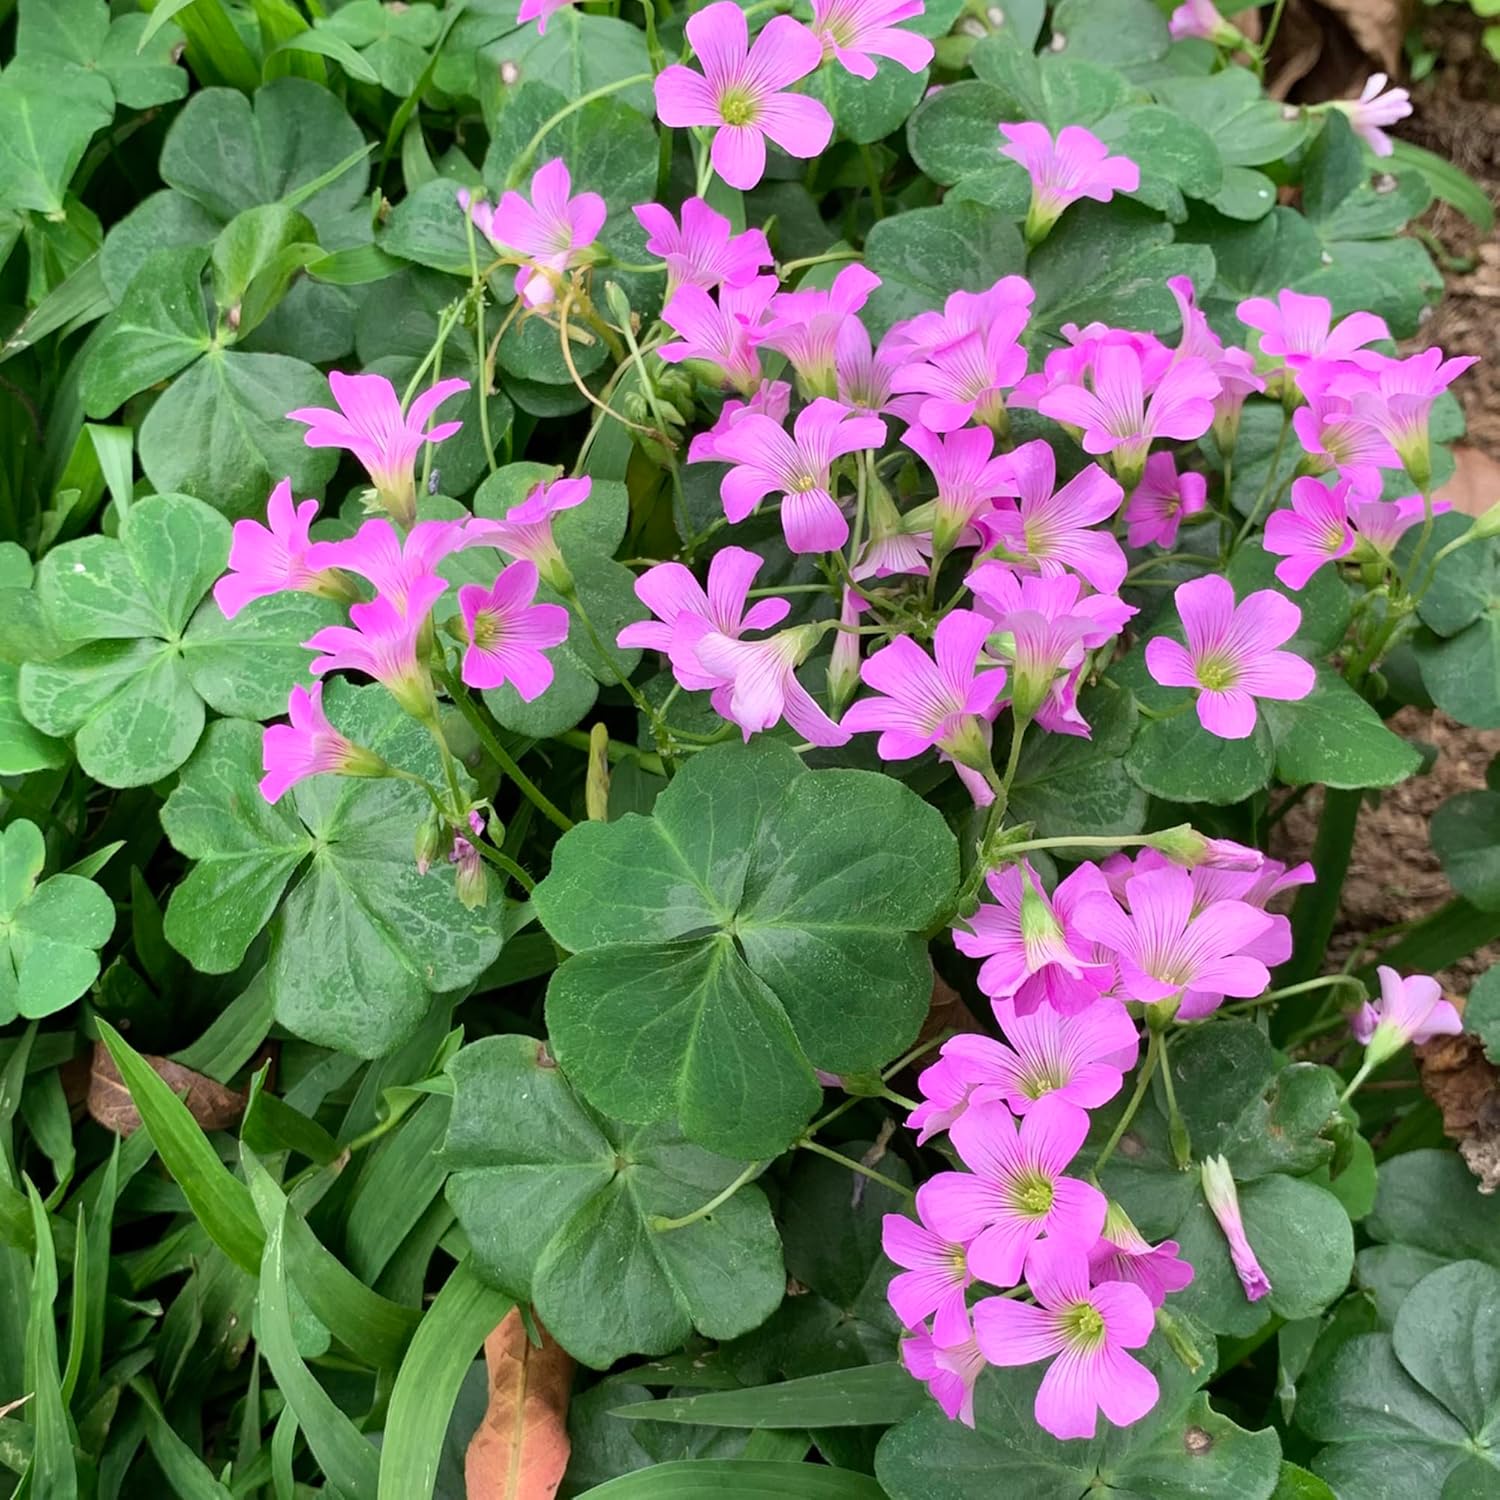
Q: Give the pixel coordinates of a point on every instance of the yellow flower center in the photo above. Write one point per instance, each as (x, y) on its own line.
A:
(1032, 1195)
(736, 107)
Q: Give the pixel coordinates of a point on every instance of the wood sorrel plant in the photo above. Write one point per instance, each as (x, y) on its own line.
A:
(837, 509)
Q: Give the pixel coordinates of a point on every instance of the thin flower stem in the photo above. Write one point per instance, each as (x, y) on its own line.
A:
(506, 863)
(446, 320)
(1326, 981)
(477, 291)
(1142, 1083)
(1082, 841)
(1177, 1131)
(522, 164)
(1270, 487)
(907, 1058)
(1365, 1069)
(666, 1226)
(827, 258)
(900, 1099)
(588, 395)
(856, 1166)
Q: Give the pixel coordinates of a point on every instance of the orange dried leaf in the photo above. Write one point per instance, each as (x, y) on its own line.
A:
(211, 1104)
(520, 1451)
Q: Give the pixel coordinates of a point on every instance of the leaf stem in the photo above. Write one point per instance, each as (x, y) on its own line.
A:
(1142, 1083)
(665, 1226)
(807, 1144)
(522, 164)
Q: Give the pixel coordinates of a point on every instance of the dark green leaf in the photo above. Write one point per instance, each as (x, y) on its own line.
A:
(872, 1395)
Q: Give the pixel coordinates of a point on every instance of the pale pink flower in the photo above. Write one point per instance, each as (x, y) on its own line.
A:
(396, 563)
(372, 426)
(1409, 1010)
(1085, 1331)
(935, 1272)
(721, 332)
(1032, 949)
(1299, 328)
(947, 1086)
(865, 374)
(1167, 945)
(1396, 396)
(507, 631)
(1124, 1254)
(672, 594)
(1334, 436)
(1201, 20)
(525, 530)
(1075, 165)
(270, 559)
(929, 702)
(856, 32)
(539, 11)
(309, 746)
(1051, 530)
(772, 398)
(969, 477)
(1125, 411)
(1377, 106)
(551, 233)
(1237, 379)
(741, 92)
(757, 681)
(805, 326)
(798, 467)
(965, 379)
(1162, 501)
(920, 337)
(1230, 658)
(1380, 524)
(948, 1362)
(703, 250)
(1314, 531)
(1015, 1190)
(383, 643)
(1223, 1199)
(842, 680)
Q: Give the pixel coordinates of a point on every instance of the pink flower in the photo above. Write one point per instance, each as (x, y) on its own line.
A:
(672, 594)
(468, 865)
(1081, 1058)
(772, 398)
(396, 564)
(947, 1086)
(703, 251)
(1126, 411)
(768, 461)
(922, 336)
(1201, 20)
(968, 477)
(1168, 946)
(1015, 1190)
(309, 746)
(1409, 1010)
(383, 643)
(1224, 1200)
(1087, 1329)
(525, 530)
(1122, 1253)
(539, 11)
(936, 1272)
(1075, 165)
(721, 333)
(1376, 106)
(1299, 328)
(1334, 436)
(371, 425)
(856, 32)
(1050, 530)
(1162, 501)
(929, 702)
(1237, 379)
(1314, 531)
(1396, 399)
(865, 374)
(551, 233)
(805, 326)
(269, 559)
(1033, 952)
(947, 1366)
(757, 682)
(741, 93)
(964, 380)
(507, 630)
(1380, 524)
(1230, 658)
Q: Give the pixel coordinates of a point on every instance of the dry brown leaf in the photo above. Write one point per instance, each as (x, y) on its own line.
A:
(1475, 485)
(520, 1451)
(1329, 47)
(1465, 1086)
(212, 1105)
(15, 1405)
(946, 1011)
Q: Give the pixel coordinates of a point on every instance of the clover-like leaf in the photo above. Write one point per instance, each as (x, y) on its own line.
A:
(360, 938)
(50, 930)
(559, 1206)
(763, 922)
(150, 650)
(81, 34)
(49, 111)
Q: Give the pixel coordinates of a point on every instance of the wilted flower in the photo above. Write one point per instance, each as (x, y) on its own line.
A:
(1224, 1200)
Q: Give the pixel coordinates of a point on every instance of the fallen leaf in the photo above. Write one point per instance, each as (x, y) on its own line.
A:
(211, 1104)
(520, 1451)
(1465, 1086)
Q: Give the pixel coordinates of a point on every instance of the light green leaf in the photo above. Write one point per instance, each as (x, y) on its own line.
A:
(1177, 759)
(23, 748)
(866, 1396)
(954, 132)
(1462, 673)
(1333, 736)
(49, 111)
(1122, 33)
(1248, 128)
(580, 53)
(250, 243)
(739, 1479)
(1465, 585)
(559, 1208)
(1447, 1336)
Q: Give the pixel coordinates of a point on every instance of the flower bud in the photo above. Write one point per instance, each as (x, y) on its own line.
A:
(596, 782)
(432, 840)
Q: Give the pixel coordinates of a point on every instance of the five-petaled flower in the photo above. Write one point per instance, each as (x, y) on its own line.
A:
(1076, 164)
(508, 631)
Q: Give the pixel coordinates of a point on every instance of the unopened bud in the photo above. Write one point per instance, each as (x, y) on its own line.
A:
(617, 303)
(1179, 1341)
(431, 842)
(596, 782)
(1486, 524)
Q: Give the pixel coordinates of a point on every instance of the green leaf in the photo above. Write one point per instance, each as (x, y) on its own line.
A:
(362, 938)
(50, 930)
(559, 1206)
(1122, 33)
(159, 328)
(871, 1395)
(866, 110)
(427, 228)
(49, 111)
(1448, 182)
(924, 255)
(1482, 1012)
(219, 432)
(53, 1470)
(1066, 784)
(739, 1478)
(580, 53)
(1429, 1199)
(1294, 1483)
(324, 44)
(759, 926)
(252, 242)
(1176, 158)
(1054, 89)
(1462, 673)
(1466, 835)
(1248, 128)
(461, 1317)
(80, 33)
(1177, 759)
(23, 748)
(1333, 736)
(1465, 585)
(1447, 1336)
(1324, 601)
(161, 221)
(954, 133)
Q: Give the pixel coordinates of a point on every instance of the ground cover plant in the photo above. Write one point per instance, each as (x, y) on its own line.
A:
(650, 662)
